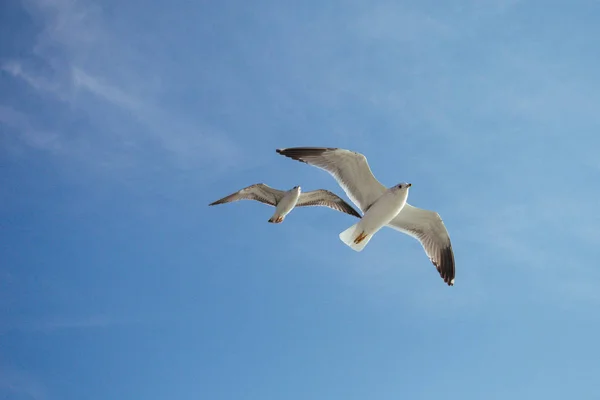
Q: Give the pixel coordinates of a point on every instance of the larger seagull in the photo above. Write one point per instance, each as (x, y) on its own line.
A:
(354, 175)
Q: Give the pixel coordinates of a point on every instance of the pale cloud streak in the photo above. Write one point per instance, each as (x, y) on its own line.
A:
(37, 82)
(82, 56)
(186, 141)
(37, 138)
(114, 95)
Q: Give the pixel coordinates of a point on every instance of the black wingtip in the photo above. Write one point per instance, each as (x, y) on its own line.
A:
(353, 212)
(298, 153)
(307, 150)
(446, 266)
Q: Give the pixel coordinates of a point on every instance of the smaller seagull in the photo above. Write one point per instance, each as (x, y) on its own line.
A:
(285, 201)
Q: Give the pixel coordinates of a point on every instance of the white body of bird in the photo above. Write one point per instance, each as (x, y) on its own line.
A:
(352, 172)
(379, 214)
(286, 205)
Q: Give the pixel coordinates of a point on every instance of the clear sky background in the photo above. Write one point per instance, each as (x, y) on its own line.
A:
(121, 120)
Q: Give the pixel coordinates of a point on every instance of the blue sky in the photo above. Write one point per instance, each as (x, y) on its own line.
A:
(120, 122)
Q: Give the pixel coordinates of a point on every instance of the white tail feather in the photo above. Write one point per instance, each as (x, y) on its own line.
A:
(350, 234)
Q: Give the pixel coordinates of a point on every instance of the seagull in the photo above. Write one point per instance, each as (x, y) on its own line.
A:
(285, 201)
(353, 174)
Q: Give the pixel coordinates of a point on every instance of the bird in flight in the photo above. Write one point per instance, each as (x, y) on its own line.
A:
(352, 172)
(285, 201)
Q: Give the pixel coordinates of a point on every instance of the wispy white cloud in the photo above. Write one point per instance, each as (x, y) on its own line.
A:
(37, 82)
(81, 56)
(35, 137)
(189, 142)
(113, 95)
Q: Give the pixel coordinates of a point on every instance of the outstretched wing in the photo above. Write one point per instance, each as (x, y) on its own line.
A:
(259, 192)
(326, 198)
(429, 229)
(349, 168)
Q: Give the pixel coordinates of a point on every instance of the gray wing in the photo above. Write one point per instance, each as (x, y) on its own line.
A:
(326, 198)
(259, 192)
(349, 168)
(429, 229)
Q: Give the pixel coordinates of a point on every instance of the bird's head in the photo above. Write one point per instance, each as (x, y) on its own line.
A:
(402, 186)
